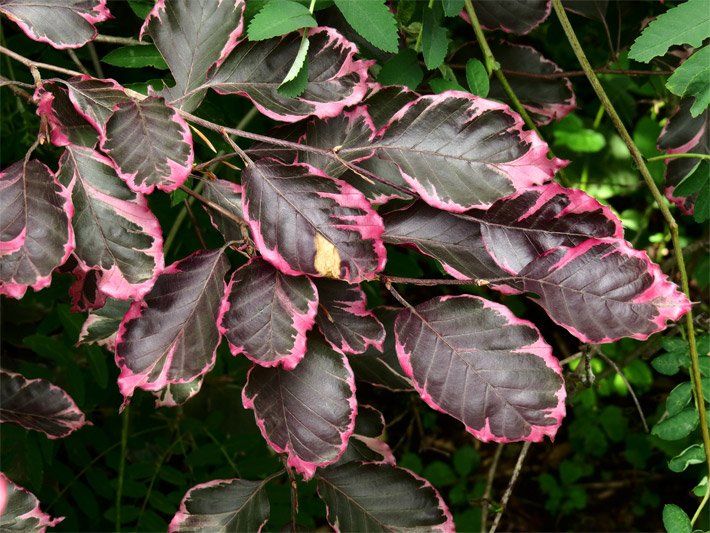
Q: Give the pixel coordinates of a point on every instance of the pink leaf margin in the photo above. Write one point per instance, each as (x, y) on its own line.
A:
(539, 348)
(43, 519)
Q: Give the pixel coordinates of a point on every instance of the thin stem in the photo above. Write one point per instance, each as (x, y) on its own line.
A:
(178, 221)
(434, 282)
(660, 200)
(213, 205)
(398, 296)
(95, 60)
(237, 149)
(576, 73)
(511, 484)
(14, 86)
(677, 156)
(193, 220)
(122, 465)
(621, 374)
(489, 486)
(75, 59)
(221, 449)
(293, 484)
(35, 65)
(114, 39)
(701, 506)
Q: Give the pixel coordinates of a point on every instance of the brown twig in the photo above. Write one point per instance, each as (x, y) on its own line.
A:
(511, 484)
(486, 498)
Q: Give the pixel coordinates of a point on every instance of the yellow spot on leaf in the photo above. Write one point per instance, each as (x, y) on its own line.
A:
(327, 262)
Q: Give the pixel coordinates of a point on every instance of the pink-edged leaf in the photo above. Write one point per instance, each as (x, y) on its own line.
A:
(59, 23)
(459, 151)
(474, 360)
(546, 99)
(175, 394)
(19, 509)
(512, 16)
(269, 314)
(521, 227)
(256, 69)
(35, 231)
(38, 405)
(454, 240)
(116, 233)
(683, 134)
(602, 290)
(101, 326)
(94, 99)
(192, 37)
(363, 496)
(383, 102)
(367, 443)
(381, 368)
(223, 505)
(228, 196)
(309, 412)
(150, 144)
(305, 222)
(66, 125)
(171, 336)
(344, 319)
(84, 292)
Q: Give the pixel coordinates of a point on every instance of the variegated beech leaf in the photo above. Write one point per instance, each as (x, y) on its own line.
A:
(19, 509)
(116, 232)
(223, 505)
(66, 125)
(602, 290)
(309, 412)
(383, 102)
(35, 231)
(269, 314)
(512, 16)
(228, 196)
(344, 319)
(150, 144)
(38, 405)
(59, 23)
(367, 441)
(84, 292)
(94, 99)
(192, 37)
(363, 496)
(474, 360)
(682, 134)
(459, 151)
(171, 336)
(256, 69)
(304, 222)
(101, 326)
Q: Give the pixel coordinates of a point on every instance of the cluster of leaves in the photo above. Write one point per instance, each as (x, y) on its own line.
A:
(361, 171)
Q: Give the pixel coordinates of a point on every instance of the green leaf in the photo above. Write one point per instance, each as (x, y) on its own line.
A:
(477, 78)
(373, 20)
(402, 69)
(452, 7)
(293, 88)
(702, 204)
(466, 459)
(440, 474)
(692, 455)
(435, 42)
(279, 17)
(678, 398)
(677, 426)
(584, 141)
(695, 181)
(439, 85)
(137, 56)
(670, 364)
(675, 520)
(141, 8)
(614, 423)
(298, 64)
(691, 79)
(688, 23)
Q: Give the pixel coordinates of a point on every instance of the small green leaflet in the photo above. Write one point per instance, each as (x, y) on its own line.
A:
(570, 132)
(452, 7)
(692, 78)
(297, 77)
(477, 78)
(373, 20)
(138, 56)
(280, 17)
(675, 520)
(692, 455)
(402, 69)
(435, 42)
(439, 85)
(688, 23)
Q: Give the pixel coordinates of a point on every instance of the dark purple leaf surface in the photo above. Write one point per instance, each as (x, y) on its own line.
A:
(60, 23)
(38, 405)
(344, 319)
(223, 505)
(309, 412)
(150, 144)
(19, 509)
(256, 69)
(684, 134)
(84, 292)
(384, 101)
(512, 16)
(192, 37)
(269, 314)
(304, 222)
(228, 196)
(171, 337)
(116, 233)
(474, 360)
(367, 443)
(459, 151)
(380, 497)
(35, 231)
(66, 125)
(95, 99)
(603, 290)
